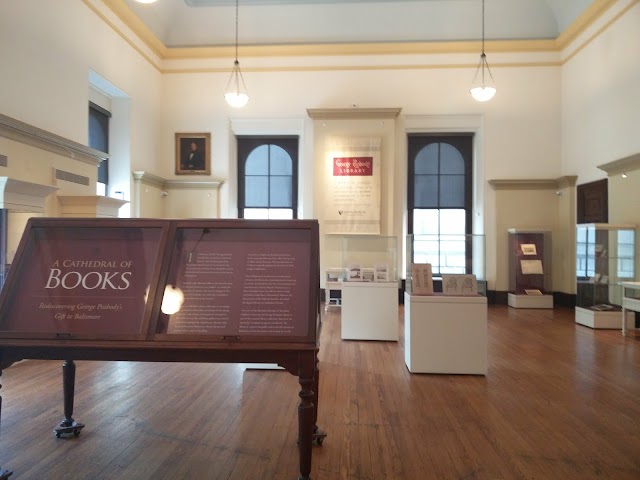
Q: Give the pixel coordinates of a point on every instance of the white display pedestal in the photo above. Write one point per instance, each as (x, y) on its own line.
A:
(605, 320)
(444, 334)
(631, 302)
(370, 311)
(330, 301)
(530, 301)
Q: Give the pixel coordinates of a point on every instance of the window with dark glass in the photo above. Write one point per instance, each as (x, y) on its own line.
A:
(99, 139)
(440, 200)
(267, 177)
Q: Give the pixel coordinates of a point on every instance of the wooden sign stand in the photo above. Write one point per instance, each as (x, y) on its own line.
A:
(92, 261)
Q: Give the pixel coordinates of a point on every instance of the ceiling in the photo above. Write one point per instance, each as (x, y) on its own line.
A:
(190, 23)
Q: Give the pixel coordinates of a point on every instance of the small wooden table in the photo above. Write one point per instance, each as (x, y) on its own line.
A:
(630, 301)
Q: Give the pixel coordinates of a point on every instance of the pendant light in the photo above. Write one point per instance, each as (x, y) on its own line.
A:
(236, 92)
(484, 88)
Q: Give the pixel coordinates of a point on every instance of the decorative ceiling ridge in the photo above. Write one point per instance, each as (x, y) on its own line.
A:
(133, 22)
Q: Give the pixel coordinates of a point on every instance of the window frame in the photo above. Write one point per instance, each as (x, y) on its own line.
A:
(103, 116)
(463, 142)
(247, 144)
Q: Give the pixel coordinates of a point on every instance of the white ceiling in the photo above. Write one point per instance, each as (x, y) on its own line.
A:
(180, 23)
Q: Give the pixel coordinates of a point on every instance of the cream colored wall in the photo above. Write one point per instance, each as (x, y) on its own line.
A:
(600, 97)
(152, 202)
(564, 241)
(196, 203)
(624, 198)
(16, 222)
(50, 54)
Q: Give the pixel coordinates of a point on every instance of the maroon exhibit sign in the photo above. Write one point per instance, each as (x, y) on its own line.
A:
(86, 281)
(352, 166)
(239, 282)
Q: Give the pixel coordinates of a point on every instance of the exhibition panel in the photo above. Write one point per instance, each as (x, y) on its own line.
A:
(212, 291)
(530, 268)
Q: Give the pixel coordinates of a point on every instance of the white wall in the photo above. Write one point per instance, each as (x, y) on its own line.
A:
(47, 49)
(601, 99)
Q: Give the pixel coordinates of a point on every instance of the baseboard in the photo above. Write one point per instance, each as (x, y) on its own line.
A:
(495, 297)
(561, 299)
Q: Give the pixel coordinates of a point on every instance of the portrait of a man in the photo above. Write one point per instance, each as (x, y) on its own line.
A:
(192, 154)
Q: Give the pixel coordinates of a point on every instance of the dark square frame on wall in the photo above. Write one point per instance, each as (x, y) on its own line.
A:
(193, 153)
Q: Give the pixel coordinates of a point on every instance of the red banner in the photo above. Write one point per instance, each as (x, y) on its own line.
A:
(353, 166)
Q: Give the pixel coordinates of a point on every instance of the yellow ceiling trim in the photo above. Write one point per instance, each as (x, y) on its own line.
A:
(130, 19)
(333, 68)
(598, 32)
(124, 37)
(392, 48)
(580, 24)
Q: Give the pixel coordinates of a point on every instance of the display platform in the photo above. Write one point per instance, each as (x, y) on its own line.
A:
(530, 301)
(610, 320)
(630, 301)
(370, 311)
(445, 334)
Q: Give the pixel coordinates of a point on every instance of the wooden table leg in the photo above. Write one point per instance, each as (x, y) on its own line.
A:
(68, 425)
(318, 435)
(306, 410)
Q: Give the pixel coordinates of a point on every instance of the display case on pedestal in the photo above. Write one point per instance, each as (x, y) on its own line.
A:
(530, 268)
(605, 257)
(364, 269)
(445, 331)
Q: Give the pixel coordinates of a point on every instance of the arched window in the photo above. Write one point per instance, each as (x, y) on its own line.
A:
(439, 200)
(267, 177)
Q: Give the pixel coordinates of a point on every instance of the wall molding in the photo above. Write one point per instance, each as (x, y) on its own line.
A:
(534, 184)
(623, 165)
(22, 196)
(193, 184)
(36, 137)
(353, 113)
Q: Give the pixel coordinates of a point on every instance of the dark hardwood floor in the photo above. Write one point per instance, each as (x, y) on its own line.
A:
(560, 401)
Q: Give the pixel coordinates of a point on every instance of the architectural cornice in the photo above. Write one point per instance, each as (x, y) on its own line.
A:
(623, 165)
(34, 136)
(152, 180)
(352, 113)
(533, 183)
(136, 27)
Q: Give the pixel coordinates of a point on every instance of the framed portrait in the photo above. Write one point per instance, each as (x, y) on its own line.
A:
(193, 154)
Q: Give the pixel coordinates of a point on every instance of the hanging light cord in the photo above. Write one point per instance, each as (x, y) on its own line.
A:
(482, 28)
(237, 1)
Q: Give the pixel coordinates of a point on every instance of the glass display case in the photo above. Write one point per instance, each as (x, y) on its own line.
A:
(357, 258)
(530, 268)
(448, 255)
(605, 257)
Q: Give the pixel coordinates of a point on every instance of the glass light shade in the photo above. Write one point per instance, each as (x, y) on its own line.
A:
(172, 300)
(236, 99)
(236, 92)
(483, 94)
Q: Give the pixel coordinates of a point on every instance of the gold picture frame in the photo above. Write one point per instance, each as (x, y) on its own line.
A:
(193, 155)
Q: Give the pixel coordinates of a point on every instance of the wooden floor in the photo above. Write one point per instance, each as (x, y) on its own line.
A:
(560, 401)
